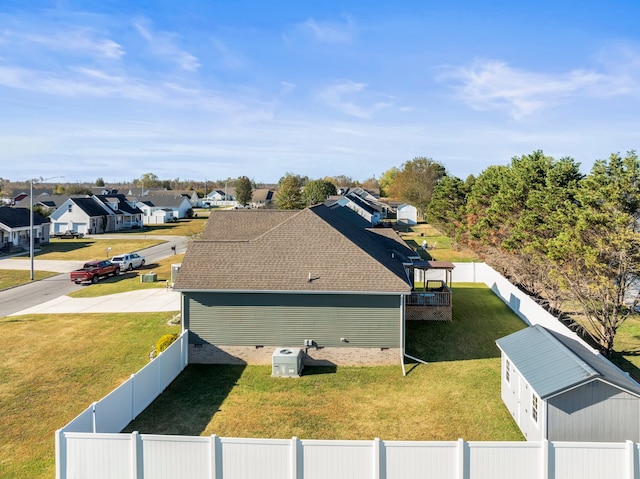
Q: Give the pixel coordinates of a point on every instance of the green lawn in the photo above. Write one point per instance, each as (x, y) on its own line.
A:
(439, 247)
(86, 249)
(456, 395)
(52, 367)
(191, 227)
(130, 280)
(10, 278)
(627, 347)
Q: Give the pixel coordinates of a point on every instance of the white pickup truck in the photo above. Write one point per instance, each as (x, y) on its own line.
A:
(128, 261)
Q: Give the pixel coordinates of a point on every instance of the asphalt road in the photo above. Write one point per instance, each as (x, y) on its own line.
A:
(32, 294)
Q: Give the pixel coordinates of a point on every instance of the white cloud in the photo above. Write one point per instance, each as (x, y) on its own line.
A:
(342, 97)
(75, 40)
(88, 83)
(164, 44)
(287, 87)
(494, 85)
(329, 32)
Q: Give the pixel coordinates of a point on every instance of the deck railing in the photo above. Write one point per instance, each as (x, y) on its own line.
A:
(434, 293)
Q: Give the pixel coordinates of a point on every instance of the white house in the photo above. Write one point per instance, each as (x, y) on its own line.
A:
(220, 198)
(15, 228)
(164, 206)
(407, 214)
(363, 208)
(95, 214)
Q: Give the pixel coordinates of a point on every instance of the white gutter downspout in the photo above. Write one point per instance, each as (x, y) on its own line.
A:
(402, 318)
(402, 338)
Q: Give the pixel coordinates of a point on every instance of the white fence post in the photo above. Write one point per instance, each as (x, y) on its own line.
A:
(544, 459)
(135, 455)
(93, 417)
(214, 463)
(631, 460)
(295, 449)
(133, 396)
(377, 466)
(461, 459)
(61, 455)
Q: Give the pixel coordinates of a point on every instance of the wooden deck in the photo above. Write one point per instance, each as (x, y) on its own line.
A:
(433, 303)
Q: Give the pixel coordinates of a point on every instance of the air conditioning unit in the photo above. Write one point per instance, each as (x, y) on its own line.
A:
(287, 362)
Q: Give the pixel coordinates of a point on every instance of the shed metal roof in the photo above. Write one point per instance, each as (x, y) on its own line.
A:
(551, 362)
(545, 363)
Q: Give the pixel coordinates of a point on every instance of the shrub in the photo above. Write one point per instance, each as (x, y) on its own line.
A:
(164, 342)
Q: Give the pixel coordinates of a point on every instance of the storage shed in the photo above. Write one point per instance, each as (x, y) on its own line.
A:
(407, 214)
(557, 389)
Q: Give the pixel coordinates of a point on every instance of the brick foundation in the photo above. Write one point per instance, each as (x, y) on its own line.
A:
(210, 354)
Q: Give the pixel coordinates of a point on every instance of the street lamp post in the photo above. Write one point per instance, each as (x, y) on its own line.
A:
(31, 229)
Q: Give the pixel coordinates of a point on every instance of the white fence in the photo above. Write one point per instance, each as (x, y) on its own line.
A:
(113, 412)
(132, 456)
(88, 448)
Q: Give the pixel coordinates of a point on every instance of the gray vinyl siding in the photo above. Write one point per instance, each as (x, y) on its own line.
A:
(595, 411)
(276, 319)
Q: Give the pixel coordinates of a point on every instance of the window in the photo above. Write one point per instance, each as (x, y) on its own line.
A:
(507, 371)
(534, 407)
(70, 208)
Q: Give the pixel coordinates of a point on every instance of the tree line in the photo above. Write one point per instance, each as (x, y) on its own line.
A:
(569, 239)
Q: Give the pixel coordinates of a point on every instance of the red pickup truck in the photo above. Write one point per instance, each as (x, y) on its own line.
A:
(92, 271)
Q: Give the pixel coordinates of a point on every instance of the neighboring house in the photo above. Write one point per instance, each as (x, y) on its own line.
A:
(85, 215)
(103, 190)
(372, 215)
(261, 197)
(260, 279)
(15, 228)
(48, 203)
(153, 206)
(220, 198)
(96, 214)
(407, 214)
(153, 215)
(557, 389)
(127, 214)
(191, 195)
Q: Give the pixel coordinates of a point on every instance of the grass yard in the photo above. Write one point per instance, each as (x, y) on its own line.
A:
(456, 396)
(10, 278)
(191, 227)
(52, 367)
(130, 280)
(86, 249)
(439, 247)
(627, 347)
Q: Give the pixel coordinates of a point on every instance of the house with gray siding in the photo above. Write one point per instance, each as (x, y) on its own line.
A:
(558, 389)
(262, 279)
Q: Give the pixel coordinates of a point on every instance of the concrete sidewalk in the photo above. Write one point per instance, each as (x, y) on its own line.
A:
(140, 301)
(54, 266)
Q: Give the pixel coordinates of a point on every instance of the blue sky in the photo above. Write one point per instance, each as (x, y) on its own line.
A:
(204, 89)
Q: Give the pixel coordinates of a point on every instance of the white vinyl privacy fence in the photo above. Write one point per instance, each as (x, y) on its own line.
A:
(89, 446)
(137, 456)
(113, 412)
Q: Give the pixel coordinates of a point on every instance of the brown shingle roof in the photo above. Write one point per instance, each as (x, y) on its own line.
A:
(274, 250)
